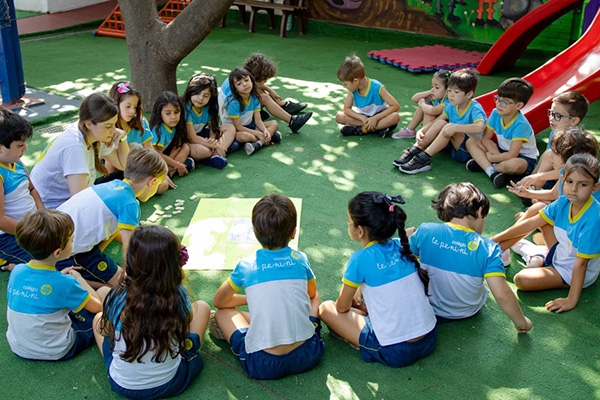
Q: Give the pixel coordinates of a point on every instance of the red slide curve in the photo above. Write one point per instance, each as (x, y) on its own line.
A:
(576, 68)
(509, 47)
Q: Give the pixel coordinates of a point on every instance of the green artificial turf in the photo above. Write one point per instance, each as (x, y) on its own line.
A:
(26, 14)
(482, 357)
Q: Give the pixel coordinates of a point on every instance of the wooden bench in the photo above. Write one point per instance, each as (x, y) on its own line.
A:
(289, 7)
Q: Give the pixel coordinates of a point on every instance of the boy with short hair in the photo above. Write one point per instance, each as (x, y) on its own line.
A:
(516, 152)
(465, 118)
(458, 258)
(100, 211)
(567, 110)
(280, 335)
(17, 194)
(49, 313)
(369, 107)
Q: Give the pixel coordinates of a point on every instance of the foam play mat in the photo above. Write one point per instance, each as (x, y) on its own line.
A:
(220, 233)
(427, 58)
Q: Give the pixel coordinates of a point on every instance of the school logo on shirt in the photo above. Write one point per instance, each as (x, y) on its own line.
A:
(188, 344)
(102, 266)
(46, 290)
(472, 245)
(295, 255)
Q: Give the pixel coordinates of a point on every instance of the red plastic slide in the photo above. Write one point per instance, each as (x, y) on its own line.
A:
(576, 68)
(509, 47)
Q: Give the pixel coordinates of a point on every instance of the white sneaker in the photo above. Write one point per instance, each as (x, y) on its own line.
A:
(531, 253)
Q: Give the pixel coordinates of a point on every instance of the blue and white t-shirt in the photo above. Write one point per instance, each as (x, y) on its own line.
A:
(39, 301)
(234, 110)
(99, 211)
(577, 237)
(162, 136)
(198, 120)
(394, 294)
(458, 260)
(17, 197)
(140, 137)
(276, 284)
(473, 113)
(371, 102)
(145, 374)
(518, 129)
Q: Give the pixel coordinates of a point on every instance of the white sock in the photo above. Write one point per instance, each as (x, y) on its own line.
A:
(490, 171)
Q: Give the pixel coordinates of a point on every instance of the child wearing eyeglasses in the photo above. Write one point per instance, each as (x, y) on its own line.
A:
(516, 152)
(567, 110)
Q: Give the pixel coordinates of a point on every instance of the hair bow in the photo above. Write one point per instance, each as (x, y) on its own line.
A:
(388, 200)
(123, 87)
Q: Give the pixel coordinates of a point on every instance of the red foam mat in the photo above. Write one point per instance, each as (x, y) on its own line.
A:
(427, 58)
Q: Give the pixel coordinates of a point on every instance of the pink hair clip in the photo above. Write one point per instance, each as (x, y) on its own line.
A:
(123, 87)
(391, 208)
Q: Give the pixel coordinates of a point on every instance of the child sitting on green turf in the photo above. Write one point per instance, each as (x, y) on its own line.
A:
(280, 335)
(369, 107)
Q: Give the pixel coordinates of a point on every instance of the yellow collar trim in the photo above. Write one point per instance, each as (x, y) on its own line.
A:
(462, 228)
(167, 128)
(511, 121)
(31, 264)
(465, 110)
(587, 205)
(195, 111)
(368, 89)
(371, 243)
(13, 168)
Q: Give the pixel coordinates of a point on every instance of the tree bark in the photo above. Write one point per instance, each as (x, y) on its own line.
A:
(156, 49)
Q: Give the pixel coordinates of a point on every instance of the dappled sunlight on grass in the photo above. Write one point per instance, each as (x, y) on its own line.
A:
(234, 175)
(500, 197)
(340, 390)
(279, 156)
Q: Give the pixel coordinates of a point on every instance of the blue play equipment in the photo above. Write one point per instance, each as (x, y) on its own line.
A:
(12, 80)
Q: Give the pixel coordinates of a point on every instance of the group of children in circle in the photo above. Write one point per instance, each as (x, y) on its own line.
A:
(395, 290)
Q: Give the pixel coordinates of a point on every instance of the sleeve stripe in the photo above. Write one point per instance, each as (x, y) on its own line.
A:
(521, 140)
(313, 279)
(479, 119)
(582, 255)
(83, 304)
(546, 218)
(233, 285)
(490, 128)
(127, 226)
(491, 274)
(349, 283)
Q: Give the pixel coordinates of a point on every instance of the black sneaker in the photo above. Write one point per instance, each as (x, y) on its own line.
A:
(527, 202)
(190, 164)
(217, 162)
(252, 147)
(407, 155)
(500, 179)
(351, 130)
(383, 132)
(472, 166)
(419, 163)
(298, 121)
(293, 108)
(235, 146)
(276, 138)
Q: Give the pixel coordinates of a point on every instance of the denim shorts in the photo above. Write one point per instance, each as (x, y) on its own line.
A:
(190, 366)
(263, 365)
(395, 355)
(95, 265)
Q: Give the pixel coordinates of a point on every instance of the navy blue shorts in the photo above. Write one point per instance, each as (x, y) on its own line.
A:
(189, 368)
(395, 355)
(10, 252)
(263, 365)
(204, 132)
(461, 154)
(95, 265)
(531, 162)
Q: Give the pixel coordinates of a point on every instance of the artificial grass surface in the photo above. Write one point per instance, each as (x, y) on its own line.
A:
(482, 357)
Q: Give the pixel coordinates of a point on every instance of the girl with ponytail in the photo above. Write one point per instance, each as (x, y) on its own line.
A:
(459, 259)
(382, 308)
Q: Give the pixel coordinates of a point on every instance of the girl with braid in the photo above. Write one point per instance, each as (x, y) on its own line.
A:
(458, 259)
(382, 308)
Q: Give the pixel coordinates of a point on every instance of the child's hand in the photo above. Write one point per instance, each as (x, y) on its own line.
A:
(71, 271)
(448, 130)
(170, 182)
(117, 137)
(264, 138)
(369, 125)
(410, 230)
(519, 190)
(525, 328)
(181, 169)
(561, 305)
(420, 138)
(423, 101)
(220, 150)
(530, 180)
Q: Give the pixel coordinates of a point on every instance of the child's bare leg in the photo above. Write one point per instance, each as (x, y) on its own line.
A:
(440, 143)
(514, 166)
(417, 117)
(199, 151)
(344, 119)
(200, 316)
(227, 135)
(244, 137)
(231, 320)
(181, 154)
(477, 149)
(548, 234)
(97, 335)
(271, 127)
(430, 132)
(427, 119)
(388, 121)
(534, 279)
(348, 325)
(273, 108)
(315, 302)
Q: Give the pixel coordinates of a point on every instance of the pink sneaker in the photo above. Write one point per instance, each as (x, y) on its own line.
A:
(404, 133)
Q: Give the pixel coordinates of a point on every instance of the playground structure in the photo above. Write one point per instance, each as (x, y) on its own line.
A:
(576, 68)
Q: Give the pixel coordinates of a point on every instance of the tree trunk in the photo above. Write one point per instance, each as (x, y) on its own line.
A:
(156, 49)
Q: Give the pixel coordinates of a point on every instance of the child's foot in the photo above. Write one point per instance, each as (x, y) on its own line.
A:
(235, 146)
(532, 254)
(500, 179)
(252, 147)
(298, 121)
(190, 164)
(213, 327)
(383, 132)
(337, 336)
(472, 166)
(293, 108)
(7, 267)
(404, 133)
(526, 202)
(351, 130)
(217, 162)
(419, 163)
(538, 239)
(276, 138)
(407, 155)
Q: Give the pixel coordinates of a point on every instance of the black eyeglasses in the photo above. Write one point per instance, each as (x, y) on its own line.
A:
(556, 116)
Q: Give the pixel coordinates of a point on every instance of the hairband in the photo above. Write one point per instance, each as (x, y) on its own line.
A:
(123, 87)
(388, 200)
(203, 78)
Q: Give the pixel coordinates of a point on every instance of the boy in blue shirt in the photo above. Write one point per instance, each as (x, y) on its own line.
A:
(516, 152)
(369, 107)
(280, 335)
(99, 212)
(458, 258)
(49, 313)
(465, 118)
(17, 194)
